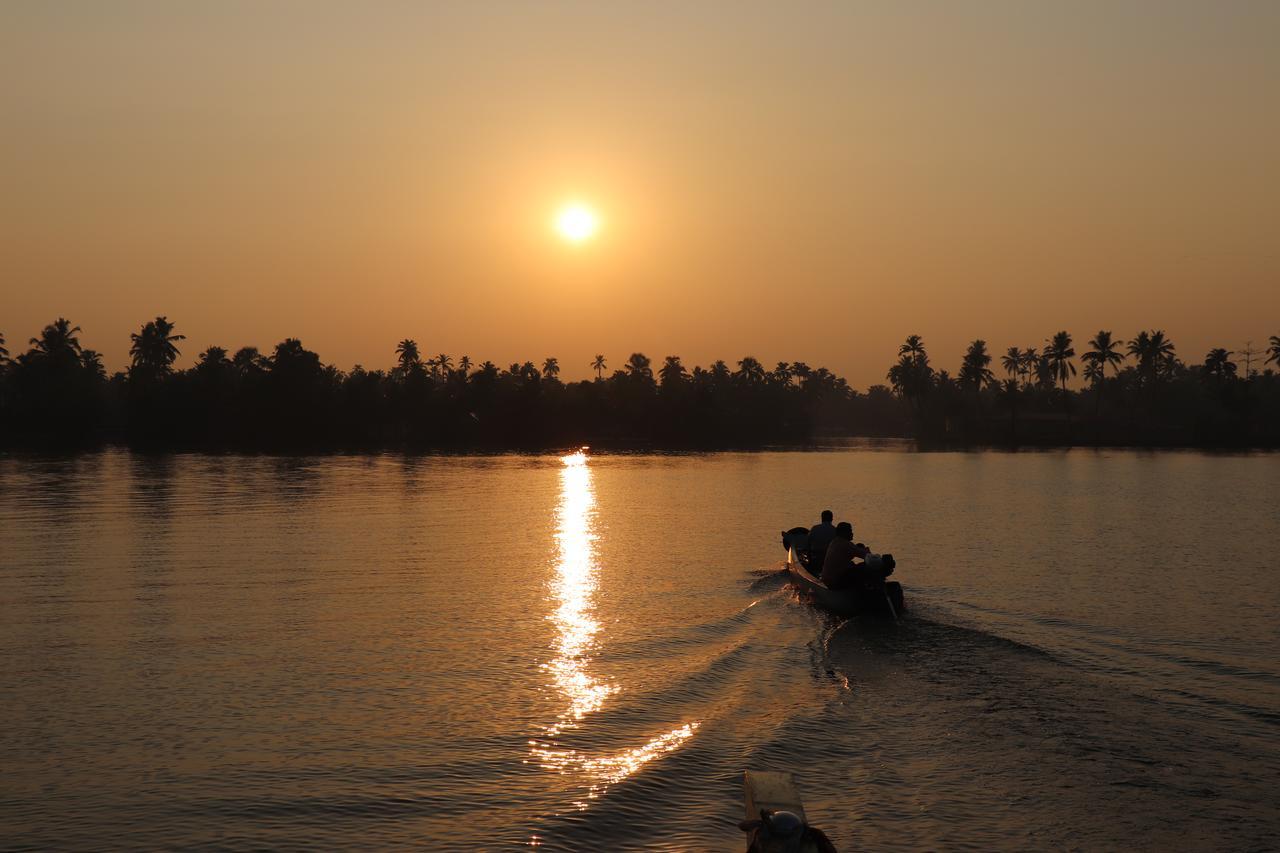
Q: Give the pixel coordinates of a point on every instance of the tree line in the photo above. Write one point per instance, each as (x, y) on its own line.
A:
(58, 394)
(1136, 392)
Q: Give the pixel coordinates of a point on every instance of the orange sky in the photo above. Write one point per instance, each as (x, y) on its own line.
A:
(791, 181)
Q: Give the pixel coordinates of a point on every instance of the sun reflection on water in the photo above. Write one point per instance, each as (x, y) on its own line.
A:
(574, 587)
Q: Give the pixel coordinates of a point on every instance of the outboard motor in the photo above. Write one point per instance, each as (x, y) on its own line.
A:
(796, 537)
(783, 831)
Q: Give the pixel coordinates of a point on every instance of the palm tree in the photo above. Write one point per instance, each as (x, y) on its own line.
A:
(91, 360)
(1162, 351)
(750, 370)
(782, 373)
(800, 370)
(719, 371)
(248, 360)
(1155, 354)
(1218, 365)
(4, 353)
(1030, 359)
(57, 342)
(213, 358)
(672, 372)
(913, 348)
(550, 368)
(153, 349)
(1273, 350)
(1105, 352)
(974, 372)
(443, 364)
(407, 353)
(1012, 362)
(598, 365)
(464, 364)
(638, 365)
(1059, 353)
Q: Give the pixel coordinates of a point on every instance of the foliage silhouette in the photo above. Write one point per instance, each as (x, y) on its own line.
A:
(57, 394)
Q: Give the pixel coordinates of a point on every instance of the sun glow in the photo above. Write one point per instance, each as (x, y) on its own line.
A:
(577, 223)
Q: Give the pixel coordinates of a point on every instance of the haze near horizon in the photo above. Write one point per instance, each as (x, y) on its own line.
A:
(760, 173)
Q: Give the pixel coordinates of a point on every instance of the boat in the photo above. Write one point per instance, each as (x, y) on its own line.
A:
(884, 599)
(775, 816)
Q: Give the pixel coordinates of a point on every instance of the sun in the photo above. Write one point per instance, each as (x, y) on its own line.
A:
(577, 223)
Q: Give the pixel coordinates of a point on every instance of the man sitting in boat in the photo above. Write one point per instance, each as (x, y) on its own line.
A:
(820, 536)
(837, 565)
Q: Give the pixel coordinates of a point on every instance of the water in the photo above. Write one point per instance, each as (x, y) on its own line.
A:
(491, 653)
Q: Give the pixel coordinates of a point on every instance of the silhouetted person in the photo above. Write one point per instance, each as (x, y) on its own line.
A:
(837, 565)
(820, 535)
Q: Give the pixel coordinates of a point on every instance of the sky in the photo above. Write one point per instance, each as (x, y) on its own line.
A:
(792, 181)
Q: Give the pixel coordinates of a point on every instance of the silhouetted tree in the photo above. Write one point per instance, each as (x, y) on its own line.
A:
(975, 374)
(154, 349)
(1030, 360)
(1218, 365)
(464, 364)
(672, 372)
(550, 368)
(638, 365)
(1273, 350)
(750, 370)
(408, 356)
(598, 365)
(1012, 362)
(1059, 353)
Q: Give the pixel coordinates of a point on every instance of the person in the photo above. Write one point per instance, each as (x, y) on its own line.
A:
(837, 565)
(820, 535)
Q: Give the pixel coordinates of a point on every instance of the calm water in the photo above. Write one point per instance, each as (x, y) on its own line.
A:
(489, 653)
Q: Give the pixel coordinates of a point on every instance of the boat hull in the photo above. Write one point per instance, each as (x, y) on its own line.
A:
(886, 600)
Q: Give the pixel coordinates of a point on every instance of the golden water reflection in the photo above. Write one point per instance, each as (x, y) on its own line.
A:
(574, 587)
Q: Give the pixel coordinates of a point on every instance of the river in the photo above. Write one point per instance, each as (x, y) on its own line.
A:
(584, 652)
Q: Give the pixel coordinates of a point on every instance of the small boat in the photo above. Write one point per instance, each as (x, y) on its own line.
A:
(884, 599)
(776, 821)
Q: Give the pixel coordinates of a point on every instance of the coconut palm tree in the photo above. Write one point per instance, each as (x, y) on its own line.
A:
(750, 370)
(550, 368)
(800, 370)
(639, 365)
(1030, 360)
(57, 342)
(782, 373)
(1155, 354)
(4, 353)
(974, 370)
(1011, 361)
(91, 360)
(443, 365)
(464, 364)
(408, 356)
(1059, 354)
(1104, 352)
(213, 358)
(672, 372)
(598, 365)
(1273, 350)
(1218, 365)
(913, 348)
(154, 349)
(249, 360)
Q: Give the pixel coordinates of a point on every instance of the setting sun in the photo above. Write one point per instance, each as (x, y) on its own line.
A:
(576, 222)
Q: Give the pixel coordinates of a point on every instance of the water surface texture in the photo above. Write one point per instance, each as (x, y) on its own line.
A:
(584, 653)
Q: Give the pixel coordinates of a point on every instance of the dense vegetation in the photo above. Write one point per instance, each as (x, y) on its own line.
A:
(58, 394)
